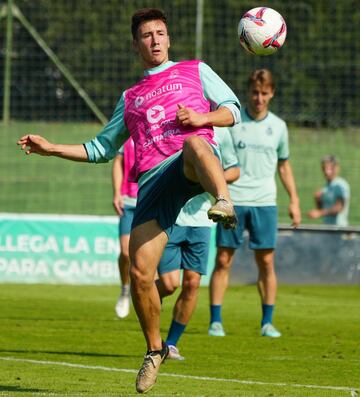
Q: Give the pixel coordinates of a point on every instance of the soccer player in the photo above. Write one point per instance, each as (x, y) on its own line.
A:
(333, 200)
(261, 142)
(170, 114)
(124, 202)
(188, 249)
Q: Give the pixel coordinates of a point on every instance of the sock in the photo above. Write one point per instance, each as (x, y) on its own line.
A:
(162, 352)
(125, 290)
(215, 313)
(267, 313)
(175, 331)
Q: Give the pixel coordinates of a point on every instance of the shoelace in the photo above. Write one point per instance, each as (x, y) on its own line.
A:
(148, 359)
(220, 198)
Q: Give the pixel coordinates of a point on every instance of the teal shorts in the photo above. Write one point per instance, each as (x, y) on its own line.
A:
(261, 223)
(164, 194)
(187, 248)
(126, 220)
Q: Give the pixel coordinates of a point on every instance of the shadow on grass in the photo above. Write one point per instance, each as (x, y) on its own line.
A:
(65, 353)
(19, 389)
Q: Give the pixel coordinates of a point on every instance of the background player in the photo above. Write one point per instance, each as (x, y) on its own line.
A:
(333, 200)
(188, 249)
(124, 202)
(261, 142)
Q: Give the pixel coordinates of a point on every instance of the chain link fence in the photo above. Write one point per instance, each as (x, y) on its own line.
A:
(70, 60)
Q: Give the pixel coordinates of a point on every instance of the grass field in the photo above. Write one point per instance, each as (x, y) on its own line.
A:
(51, 185)
(66, 341)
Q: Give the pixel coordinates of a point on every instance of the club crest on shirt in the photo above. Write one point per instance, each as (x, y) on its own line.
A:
(155, 114)
(241, 145)
(139, 101)
(269, 131)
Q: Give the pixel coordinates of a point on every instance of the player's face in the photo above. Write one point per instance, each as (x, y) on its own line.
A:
(152, 43)
(330, 170)
(259, 96)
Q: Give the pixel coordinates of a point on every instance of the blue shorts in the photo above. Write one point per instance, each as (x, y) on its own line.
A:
(126, 220)
(261, 223)
(164, 194)
(187, 248)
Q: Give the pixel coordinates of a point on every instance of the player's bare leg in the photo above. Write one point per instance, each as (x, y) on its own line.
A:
(218, 284)
(201, 165)
(167, 283)
(147, 243)
(267, 287)
(186, 302)
(184, 306)
(122, 307)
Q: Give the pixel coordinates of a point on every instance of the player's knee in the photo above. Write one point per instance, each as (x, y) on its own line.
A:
(169, 284)
(193, 147)
(266, 267)
(223, 263)
(191, 284)
(170, 288)
(140, 277)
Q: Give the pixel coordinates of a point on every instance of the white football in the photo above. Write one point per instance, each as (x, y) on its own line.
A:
(262, 31)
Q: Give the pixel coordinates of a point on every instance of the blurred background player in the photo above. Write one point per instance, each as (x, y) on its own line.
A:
(333, 200)
(124, 202)
(261, 143)
(188, 249)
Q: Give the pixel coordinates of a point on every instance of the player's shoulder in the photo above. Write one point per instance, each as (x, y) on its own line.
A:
(342, 182)
(276, 119)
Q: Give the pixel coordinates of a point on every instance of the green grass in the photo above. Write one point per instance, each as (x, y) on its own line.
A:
(76, 325)
(51, 185)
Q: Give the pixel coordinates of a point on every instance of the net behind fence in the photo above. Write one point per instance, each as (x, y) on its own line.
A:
(317, 80)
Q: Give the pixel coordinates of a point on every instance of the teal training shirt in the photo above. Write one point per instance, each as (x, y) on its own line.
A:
(337, 189)
(194, 213)
(104, 147)
(259, 146)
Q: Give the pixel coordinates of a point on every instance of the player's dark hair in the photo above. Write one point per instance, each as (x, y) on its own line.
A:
(261, 76)
(329, 158)
(146, 14)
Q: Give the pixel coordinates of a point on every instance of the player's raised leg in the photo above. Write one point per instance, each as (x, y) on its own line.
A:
(202, 165)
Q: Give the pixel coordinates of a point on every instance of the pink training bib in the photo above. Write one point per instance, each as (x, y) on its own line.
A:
(128, 188)
(150, 112)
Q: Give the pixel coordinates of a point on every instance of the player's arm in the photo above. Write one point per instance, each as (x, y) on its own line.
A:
(117, 178)
(225, 107)
(101, 149)
(232, 174)
(317, 199)
(39, 145)
(316, 212)
(221, 117)
(334, 210)
(229, 159)
(287, 178)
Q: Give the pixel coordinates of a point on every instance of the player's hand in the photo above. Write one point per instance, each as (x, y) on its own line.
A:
(187, 117)
(35, 144)
(314, 214)
(295, 214)
(118, 204)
